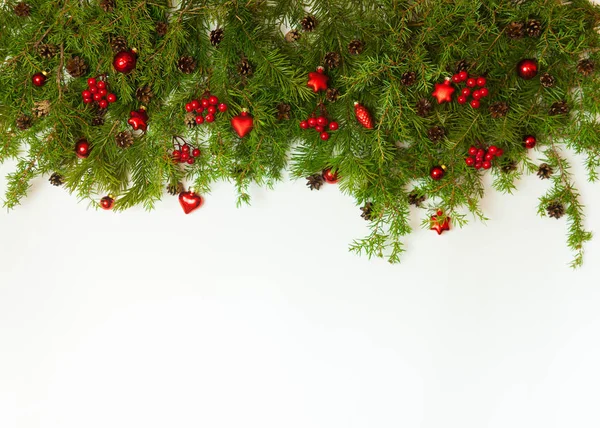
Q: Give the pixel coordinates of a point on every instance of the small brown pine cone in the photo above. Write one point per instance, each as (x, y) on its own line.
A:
(409, 78)
(292, 36)
(308, 23)
(98, 119)
(161, 28)
(533, 28)
(244, 67)
(555, 210)
(416, 199)
(586, 67)
(22, 9)
(190, 120)
(144, 94)
(124, 139)
(56, 179)
(462, 65)
(436, 133)
(424, 107)
(118, 44)
(367, 211)
(186, 64)
(76, 67)
(356, 47)
(545, 171)
(107, 5)
(283, 111)
(559, 107)
(499, 109)
(515, 30)
(175, 189)
(332, 59)
(314, 182)
(47, 50)
(509, 167)
(216, 36)
(547, 80)
(24, 122)
(332, 95)
(41, 108)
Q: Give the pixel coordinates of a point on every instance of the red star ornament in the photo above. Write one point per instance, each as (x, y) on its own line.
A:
(443, 92)
(317, 81)
(440, 227)
(139, 119)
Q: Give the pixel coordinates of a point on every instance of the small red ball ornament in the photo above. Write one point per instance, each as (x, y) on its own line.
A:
(443, 92)
(139, 119)
(39, 79)
(317, 81)
(190, 201)
(330, 177)
(125, 61)
(107, 203)
(82, 148)
(530, 141)
(527, 69)
(363, 116)
(437, 172)
(242, 124)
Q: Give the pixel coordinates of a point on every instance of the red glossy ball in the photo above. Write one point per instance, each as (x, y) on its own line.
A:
(480, 153)
(210, 118)
(185, 157)
(437, 173)
(97, 97)
(484, 92)
(222, 108)
(39, 79)
(462, 99)
(488, 157)
(304, 124)
(473, 150)
(334, 126)
(125, 61)
(456, 78)
(493, 150)
(324, 136)
(176, 153)
(191, 161)
(330, 177)
(527, 69)
(477, 95)
(86, 94)
(94, 90)
(487, 165)
(103, 104)
(196, 153)
(107, 203)
(103, 92)
(471, 83)
(319, 128)
(204, 102)
(463, 76)
(199, 109)
(211, 109)
(478, 165)
(481, 81)
(111, 98)
(466, 92)
(91, 81)
(475, 103)
(88, 100)
(530, 141)
(185, 148)
(82, 149)
(101, 84)
(322, 120)
(312, 122)
(213, 101)
(194, 104)
(499, 153)
(470, 161)
(199, 120)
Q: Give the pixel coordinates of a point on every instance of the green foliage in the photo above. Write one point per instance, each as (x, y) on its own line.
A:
(381, 166)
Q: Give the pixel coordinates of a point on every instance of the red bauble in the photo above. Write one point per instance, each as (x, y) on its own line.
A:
(107, 203)
(111, 98)
(242, 124)
(334, 126)
(324, 136)
(222, 107)
(443, 92)
(363, 116)
(125, 61)
(304, 124)
(330, 177)
(437, 172)
(139, 119)
(317, 81)
(527, 69)
(530, 141)
(82, 148)
(440, 227)
(190, 201)
(39, 79)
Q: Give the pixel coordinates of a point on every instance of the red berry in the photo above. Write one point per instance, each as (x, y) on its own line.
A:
(319, 128)
(213, 101)
(499, 153)
(111, 98)
(456, 78)
(484, 92)
(470, 161)
(199, 109)
(93, 89)
(324, 136)
(473, 151)
(185, 148)
(190, 161)
(189, 108)
(478, 165)
(480, 153)
(481, 82)
(211, 109)
(437, 173)
(86, 94)
(304, 124)
(204, 102)
(195, 104)
(462, 99)
(185, 156)
(199, 120)
(463, 76)
(475, 103)
(176, 153)
(102, 92)
(321, 120)
(466, 92)
(222, 108)
(493, 150)
(101, 84)
(487, 165)
(102, 103)
(477, 95)
(97, 97)
(471, 83)
(333, 126)
(88, 100)
(488, 156)
(312, 122)
(91, 82)
(196, 153)
(210, 118)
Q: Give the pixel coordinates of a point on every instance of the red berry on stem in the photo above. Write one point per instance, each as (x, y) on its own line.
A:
(102, 92)
(481, 81)
(91, 82)
(484, 92)
(88, 100)
(462, 99)
(211, 109)
(488, 156)
(334, 126)
(210, 118)
(319, 128)
(97, 97)
(185, 148)
(189, 108)
(473, 150)
(470, 161)
(199, 120)
(478, 165)
(324, 136)
(204, 102)
(199, 109)
(466, 92)
(493, 150)
(190, 161)
(103, 104)
(111, 98)
(93, 90)
(222, 108)
(304, 124)
(101, 84)
(463, 76)
(176, 153)
(456, 78)
(86, 94)
(487, 165)
(312, 122)
(213, 101)
(480, 153)
(194, 104)
(185, 156)
(196, 153)
(321, 120)
(477, 95)
(471, 83)
(475, 103)
(499, 153)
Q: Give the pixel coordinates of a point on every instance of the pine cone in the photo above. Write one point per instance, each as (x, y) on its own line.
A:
(509, 167)
(190, 120)
(547, 80)
(186, 64)
(161, 28)
(144, 94)
(216, 36)
(292, 36)
(332, 59)
(76, 67)
(555, 209)
(308, 23)
(534, 28)
(515, 30)
(98, 119)
(424, 107)
(24, 122)
(56, 179)
(356, 47)
(41, 108)
(47, 50)
(124, 139)
(283, 111)
(409, 78)
(499, 109)
(367, 211)
(462, 65)
(244, 67)
(545, 171)
(118, 44)
(416, 199)
(314, 182)
(175, 189)
(22, 9)
(332, 95)
(436, 133)
(586, 67)
(107, 5)
(559, 107)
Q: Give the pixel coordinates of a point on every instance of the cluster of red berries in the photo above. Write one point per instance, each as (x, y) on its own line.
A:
(469, 91)
(186, 153)
(98, 91)
(208, 103)
(320, 124)
(479, 158)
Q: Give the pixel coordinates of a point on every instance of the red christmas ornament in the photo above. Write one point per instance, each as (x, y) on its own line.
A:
(125, 61)
(139, 119)
(530, 141)
(443, 92)
(440, 227)
(330, 177)
(318, 81)
(363, 116)
(527, 69)
(82, 148)
(190, 201)
(39, 79)
(107, 203)
(242, 123)
(437, 172)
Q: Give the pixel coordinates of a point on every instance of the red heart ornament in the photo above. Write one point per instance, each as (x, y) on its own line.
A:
(190, 201)
(242, 124)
